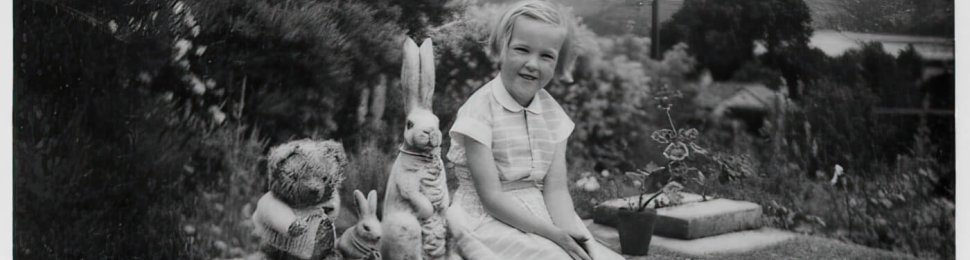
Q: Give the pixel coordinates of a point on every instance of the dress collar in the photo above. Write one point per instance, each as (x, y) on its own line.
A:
(503, 97)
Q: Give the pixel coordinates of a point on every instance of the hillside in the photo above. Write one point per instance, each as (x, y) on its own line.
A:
(609, 16)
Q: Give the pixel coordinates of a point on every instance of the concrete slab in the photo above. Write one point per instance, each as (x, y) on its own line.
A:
(731, 243)
(694, 219)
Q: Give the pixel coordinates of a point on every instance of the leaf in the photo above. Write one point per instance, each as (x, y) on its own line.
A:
(676, 151)
(663, 136)
(698, 148)
(689, 134)
(700, 177)
(652, 167)
(637, 174)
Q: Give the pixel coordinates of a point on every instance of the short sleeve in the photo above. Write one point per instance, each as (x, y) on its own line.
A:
(560, 124)
(564, 129)
(474, 122)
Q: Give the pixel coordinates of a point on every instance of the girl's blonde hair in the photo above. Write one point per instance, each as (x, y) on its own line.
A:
(501, 33)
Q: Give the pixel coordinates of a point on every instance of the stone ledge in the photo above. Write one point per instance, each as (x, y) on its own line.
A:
(694, 219)
(732, 243)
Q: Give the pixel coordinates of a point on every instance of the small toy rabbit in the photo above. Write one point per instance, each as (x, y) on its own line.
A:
(362, 240)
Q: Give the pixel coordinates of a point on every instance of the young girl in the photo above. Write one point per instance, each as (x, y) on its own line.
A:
(509, 145)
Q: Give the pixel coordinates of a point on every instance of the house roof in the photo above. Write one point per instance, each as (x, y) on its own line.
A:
(721, 96)
(711, 95)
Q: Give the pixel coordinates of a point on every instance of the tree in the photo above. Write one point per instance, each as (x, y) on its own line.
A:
(135, 105)
(722, 35)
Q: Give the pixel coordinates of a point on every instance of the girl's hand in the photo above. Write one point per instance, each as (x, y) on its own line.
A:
(573, 245)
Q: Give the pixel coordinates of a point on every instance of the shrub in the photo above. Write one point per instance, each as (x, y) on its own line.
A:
(722, 34)
(754, 72)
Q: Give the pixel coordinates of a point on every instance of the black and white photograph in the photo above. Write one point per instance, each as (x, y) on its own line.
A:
(483, 129)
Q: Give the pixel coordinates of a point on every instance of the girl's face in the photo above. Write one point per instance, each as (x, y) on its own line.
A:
(530, 59)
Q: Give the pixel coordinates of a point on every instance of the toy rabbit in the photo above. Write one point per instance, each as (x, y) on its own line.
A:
(415, 221)
(361, 240)
(416, 185)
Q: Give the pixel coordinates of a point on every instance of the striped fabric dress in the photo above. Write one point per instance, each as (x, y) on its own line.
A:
(523, 141)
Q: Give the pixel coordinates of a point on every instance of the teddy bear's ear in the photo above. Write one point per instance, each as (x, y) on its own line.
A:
(278, 155)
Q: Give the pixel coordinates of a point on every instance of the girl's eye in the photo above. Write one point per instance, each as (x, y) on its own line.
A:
(549, 57)
(521, 50)
(410, 124)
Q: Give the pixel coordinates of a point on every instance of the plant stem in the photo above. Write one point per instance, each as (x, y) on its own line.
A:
(640, 203)
(644, 204)
(671, 120)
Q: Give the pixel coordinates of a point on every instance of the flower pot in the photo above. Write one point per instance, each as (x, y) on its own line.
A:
(636, 229)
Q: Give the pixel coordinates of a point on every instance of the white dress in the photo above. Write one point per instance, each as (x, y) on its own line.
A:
(522, 140)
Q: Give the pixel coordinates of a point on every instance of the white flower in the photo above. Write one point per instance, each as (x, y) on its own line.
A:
(144, 77)
(113, 26)
(189, 19)
(210, 83)
(637, 183)
(200, 50)
(168, 96)
(838, 173)
(605, 173)
(182, 46)
(217, 115)
(178, 7)
(197, 86)
(588, 184)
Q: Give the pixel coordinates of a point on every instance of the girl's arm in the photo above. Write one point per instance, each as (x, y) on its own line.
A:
(556, 195)
(484, 174)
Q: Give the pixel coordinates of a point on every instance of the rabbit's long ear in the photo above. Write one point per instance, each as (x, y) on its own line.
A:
(427, 73)
(361, 203)
(372, 201)
(410, 74)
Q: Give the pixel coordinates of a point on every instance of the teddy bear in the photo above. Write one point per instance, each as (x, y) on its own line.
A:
(295, 218)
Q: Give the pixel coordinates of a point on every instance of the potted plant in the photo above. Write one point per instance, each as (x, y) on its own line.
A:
(635, 222)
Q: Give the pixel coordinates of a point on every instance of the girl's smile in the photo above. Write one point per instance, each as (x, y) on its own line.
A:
(530, 59)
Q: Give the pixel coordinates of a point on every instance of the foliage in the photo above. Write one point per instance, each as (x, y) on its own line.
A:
(883, 187)
(799, 65)
(92, 139)
(723, 34)
(680, 146)
(755, 72)
(892, 79)
(292, 66)
(216, 220)
(152, 107)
